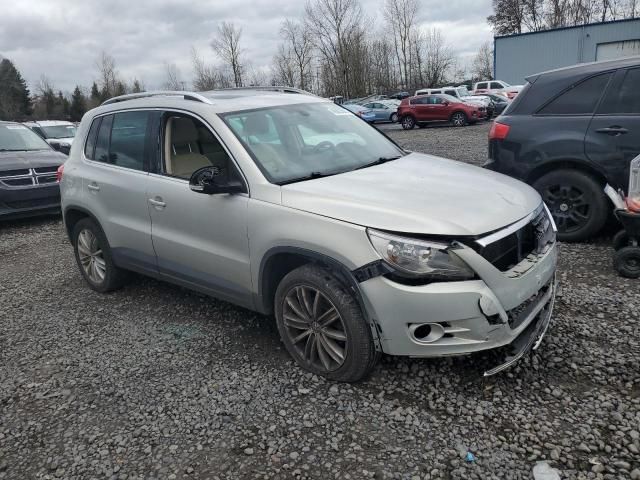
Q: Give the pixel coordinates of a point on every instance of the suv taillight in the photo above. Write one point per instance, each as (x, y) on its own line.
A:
(499, 131)
(59, 173)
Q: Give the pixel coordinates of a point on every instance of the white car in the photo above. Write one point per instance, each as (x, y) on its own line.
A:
(497, 86)
(57, 133)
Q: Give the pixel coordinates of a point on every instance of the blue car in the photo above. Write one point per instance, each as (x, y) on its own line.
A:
(383, 111)
(364, 113)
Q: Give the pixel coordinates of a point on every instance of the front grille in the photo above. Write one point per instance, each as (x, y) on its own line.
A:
(41, 170)
(13, 173)
(33, 203)
(519, 314)
(47, 179)
(505, 253)
(17, 182)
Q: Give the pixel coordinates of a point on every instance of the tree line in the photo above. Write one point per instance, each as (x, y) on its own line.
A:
(519, 16)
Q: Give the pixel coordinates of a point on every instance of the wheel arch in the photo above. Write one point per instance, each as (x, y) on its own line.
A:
(279, 261)
(567, 163)
(72, 215)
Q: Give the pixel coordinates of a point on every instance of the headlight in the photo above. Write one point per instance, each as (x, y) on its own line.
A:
(419, 258)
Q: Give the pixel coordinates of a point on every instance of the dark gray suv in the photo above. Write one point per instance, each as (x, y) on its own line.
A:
(569, 133)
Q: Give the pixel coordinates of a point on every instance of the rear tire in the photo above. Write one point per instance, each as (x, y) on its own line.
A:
(94, 258)
(576, 201)
(626, 261)
(408, 122)
(322, 326)
(393, 118)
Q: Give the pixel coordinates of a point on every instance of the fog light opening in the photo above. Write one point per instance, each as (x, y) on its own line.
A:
(426, 332)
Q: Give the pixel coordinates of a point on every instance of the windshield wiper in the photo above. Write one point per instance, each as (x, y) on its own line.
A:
(379, 161)
(311, 176)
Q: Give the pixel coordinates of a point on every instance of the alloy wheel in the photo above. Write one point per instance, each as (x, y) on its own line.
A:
(394, 117)
(408, 123)
(90, 255)
(458, 119)
(569, 206)
(315, 328)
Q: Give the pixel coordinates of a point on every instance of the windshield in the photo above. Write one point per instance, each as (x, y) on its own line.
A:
(450, 98)
(463, 92)
(293, 142)
(18, 138)
(59, 131)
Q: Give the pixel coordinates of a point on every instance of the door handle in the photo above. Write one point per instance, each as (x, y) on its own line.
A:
(93, 186)
(614, 131)
(157, 202)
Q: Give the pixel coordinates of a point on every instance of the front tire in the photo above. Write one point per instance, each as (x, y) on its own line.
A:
(459, 119)
(94, 259)
(322, 326)
(408, 122)
(576, 202)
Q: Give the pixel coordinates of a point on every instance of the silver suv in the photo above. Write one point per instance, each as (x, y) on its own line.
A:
(290, 205)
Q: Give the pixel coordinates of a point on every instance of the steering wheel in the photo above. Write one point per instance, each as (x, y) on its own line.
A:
(323, 147)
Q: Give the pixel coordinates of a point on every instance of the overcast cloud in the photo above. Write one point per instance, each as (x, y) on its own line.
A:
(63, 38)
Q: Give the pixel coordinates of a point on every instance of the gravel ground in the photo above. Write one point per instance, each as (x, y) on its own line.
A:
(153, 381)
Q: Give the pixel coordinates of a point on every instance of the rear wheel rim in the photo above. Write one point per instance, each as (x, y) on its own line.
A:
(90, 256)
(315, 328)
(458, 119)
(407, 122)
(394, 117)
(569, 206)
(633, 265)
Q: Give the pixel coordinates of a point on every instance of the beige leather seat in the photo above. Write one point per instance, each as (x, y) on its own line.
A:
(183, 156)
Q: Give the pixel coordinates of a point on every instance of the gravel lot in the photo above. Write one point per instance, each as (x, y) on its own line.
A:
(156, 382)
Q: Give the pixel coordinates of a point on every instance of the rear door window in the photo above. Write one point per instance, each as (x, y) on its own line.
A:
(128, 139)
(626, 99)
(481, 86)
(496, 85)
(580, 99)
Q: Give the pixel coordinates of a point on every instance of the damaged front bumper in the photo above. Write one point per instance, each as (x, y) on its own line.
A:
(510, 309)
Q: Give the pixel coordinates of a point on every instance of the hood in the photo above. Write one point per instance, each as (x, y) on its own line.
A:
(418, 194)
(68, 140)
(35, 159)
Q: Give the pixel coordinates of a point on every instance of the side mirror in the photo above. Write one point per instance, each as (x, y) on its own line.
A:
(207, 180)
(445, 103)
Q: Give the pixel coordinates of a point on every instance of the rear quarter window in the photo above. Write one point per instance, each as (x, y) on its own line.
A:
(579, 99)
(90, 146)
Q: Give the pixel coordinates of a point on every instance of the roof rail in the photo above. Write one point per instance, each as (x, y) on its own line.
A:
(266, 88)
(159, 93)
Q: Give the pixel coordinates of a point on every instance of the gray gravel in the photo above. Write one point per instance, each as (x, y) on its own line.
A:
(156, 382)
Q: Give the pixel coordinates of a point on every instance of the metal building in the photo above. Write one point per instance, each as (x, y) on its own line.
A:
(520, 55)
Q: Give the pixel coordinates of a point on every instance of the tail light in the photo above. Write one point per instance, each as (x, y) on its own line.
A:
(499, 131)
(59, 173)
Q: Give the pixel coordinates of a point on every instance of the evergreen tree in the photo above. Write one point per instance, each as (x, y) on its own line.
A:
(96, 96)
(78, 105)
(137, 87)
(14, 94)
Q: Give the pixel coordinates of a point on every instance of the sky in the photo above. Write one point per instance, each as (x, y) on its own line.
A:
(64, 38)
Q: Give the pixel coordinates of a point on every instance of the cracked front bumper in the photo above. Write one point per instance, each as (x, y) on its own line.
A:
(499, 309)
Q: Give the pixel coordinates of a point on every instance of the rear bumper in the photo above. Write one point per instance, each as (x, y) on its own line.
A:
(27, 202)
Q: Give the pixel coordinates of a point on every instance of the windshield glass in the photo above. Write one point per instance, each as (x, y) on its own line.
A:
(463, 92)
(18, 138)
(291, 142)
(59, 131)
(450, 98)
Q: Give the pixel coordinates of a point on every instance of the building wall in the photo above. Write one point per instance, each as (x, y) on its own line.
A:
(518, 56)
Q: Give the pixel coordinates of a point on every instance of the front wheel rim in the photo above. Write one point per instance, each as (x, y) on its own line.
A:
(315, 328)
(569, 206)
(90, 256)
(458, 120)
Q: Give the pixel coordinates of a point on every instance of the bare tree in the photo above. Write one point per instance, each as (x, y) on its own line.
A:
(335, 25)
(300, 49)
(438, 58)
(227, 47)
(207, 77)
(508, 16)
(108, 75)
(482, 66)
(172, 77)
(401, 19)
(283, 68)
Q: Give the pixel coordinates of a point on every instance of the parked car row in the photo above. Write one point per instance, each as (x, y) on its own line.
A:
(57, 133)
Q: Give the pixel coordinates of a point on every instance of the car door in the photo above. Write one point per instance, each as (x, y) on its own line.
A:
(118, 153)
(200, 240)
(420, 108)
(613, 136)
(382, 112)
(438, 109)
